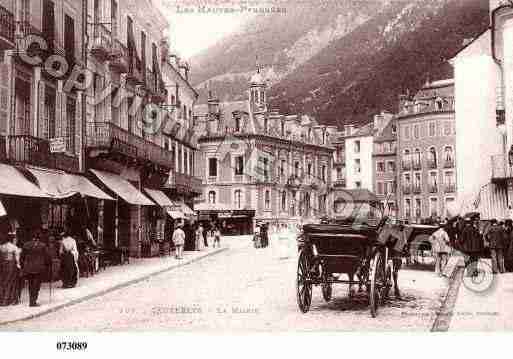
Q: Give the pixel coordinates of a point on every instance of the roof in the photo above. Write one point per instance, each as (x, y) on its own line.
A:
(388, 133)
(365, 130)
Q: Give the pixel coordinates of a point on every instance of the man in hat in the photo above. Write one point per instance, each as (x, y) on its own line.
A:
(440, 245)
(35, 262)
(471, 245)
(496, 238)
(179, 240)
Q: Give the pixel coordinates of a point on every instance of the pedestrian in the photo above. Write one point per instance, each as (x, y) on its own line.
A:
(508, 245)
(10, 269)
(496, 238)
(68, 253)
(35, 261)
(179, 240)
(217, 237)
(471, 245)
(440, 245)
(199, 237)
(205, 240)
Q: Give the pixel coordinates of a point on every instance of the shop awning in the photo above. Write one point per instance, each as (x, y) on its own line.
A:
(175, 214)
(59, 185)
(187, 210)
(123, 188)
(14, 183)
(3, 212)
(159, 197)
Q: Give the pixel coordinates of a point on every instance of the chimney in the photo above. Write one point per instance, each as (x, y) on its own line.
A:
(348, 129)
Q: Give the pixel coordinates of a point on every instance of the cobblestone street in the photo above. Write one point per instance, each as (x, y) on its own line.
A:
(242, 288)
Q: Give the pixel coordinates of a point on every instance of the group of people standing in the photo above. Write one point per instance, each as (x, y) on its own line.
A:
(261, 237)
(202, 237)
(32, 262)
(473, 238)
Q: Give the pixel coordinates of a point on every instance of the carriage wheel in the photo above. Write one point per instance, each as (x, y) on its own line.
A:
(303, 284)
(387, 284)
(377, 279)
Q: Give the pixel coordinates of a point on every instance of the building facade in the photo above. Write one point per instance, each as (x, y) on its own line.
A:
(262, 166)
(359, 149)
(384, 162)
(426, 152)
(85, 95)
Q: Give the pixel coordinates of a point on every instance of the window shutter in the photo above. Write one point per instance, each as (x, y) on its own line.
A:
(78, 122)
(5, 96)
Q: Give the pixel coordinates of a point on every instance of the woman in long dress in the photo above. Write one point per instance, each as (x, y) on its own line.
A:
(10, 271)
(69, 261)
(199, 238)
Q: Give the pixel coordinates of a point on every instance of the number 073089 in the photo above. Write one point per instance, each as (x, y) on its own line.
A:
(71, 346)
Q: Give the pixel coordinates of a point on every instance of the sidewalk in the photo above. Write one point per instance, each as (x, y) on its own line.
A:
(489, 310)
(112, 278)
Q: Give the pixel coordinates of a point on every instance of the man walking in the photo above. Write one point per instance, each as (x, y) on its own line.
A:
(496, 239)
(35, 261)
(471, 245)
(179, 241)
(440, 244)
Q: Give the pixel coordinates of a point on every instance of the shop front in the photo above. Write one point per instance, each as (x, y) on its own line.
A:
(231, 222)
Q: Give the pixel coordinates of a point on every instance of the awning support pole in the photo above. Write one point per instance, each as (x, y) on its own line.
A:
(116, 224)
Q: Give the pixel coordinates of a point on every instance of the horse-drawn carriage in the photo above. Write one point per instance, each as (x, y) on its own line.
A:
(362, 244)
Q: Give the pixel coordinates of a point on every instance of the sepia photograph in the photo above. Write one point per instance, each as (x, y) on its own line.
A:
(255, 166)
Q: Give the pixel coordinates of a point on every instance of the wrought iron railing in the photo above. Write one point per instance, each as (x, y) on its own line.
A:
(26, 149)
(417, 189)
(431, 163)
(406, 165)
(450, 188)
(185, 183)
(432, 188)
(110, 136)
(449, 163)
(102, 42)
(407, 189)
(7, 24)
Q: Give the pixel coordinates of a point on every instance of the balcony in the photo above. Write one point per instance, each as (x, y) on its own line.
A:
(26, 149)
(433, 188)
(119, 60)
(449, 163)
(102, 43)
(108, 136)
(417, 189)
(450, 188)
(135, 75)
(406, 189)
(417, 165)
(156, 87)
(431, 164)
(6, 28)
(183, 183)
(501, 170)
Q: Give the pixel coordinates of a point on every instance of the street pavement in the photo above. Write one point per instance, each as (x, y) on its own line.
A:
(242, 289)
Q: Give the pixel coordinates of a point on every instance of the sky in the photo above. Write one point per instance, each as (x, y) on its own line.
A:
(194, 28)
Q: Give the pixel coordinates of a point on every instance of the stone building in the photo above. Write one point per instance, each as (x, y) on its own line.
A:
(259, 165)
(426, 152)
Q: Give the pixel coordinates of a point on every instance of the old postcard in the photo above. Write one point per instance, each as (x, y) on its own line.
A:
(255, 166)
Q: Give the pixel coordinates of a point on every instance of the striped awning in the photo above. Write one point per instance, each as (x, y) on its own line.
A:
(159, 197)
(122, 188)
(14, 183)
(493, 202)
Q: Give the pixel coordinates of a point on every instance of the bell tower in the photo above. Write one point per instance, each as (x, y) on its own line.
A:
(257, 92)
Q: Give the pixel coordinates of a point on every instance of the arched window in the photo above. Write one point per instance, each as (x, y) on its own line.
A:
(267, 199)
(406, 159)
(284, 201)
(212, 197)
(416, 158)
(449, 156)
(238, 198)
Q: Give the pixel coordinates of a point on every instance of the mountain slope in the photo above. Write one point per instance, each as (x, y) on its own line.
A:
(346, 61)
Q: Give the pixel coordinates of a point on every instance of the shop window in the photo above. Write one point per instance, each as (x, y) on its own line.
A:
(212, 197)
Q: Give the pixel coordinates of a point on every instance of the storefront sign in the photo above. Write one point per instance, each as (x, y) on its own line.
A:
(226, 214)
(57, 145)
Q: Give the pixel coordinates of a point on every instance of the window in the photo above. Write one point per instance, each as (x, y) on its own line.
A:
(407, 132)
(309, 135)
(417, 158)
(433, 182)
(239, 165)
(266, 125)
(323, 173)
(357, 146)
(114, 112)
(265, 168)
(449, 157)
(449, 203)
(417, 181)
(69, 37)
(407, 208)
(237, 124)
(339, 174)
(416, 131)
(284, 201)
(309, 169)
(358, 184)
(212, 167)
(114, 17)
(357, 165)
(391, 166)
(282, 168)
(282, 129)
(418, 207)
(380, 188)
(380, 167)
(25, 11)
(433, 207)
(238, 198)
(439, 104)
(296, 169)
(212, 197)
(432, 129)
(70, 125)
(267, 199)
(48, 16)
(447, 128)
(432, 158)
(49, 113)
(407, 180)
(449, 178)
